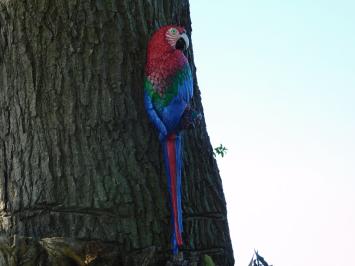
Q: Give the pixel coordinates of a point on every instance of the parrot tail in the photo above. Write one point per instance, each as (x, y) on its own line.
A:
(173, 165)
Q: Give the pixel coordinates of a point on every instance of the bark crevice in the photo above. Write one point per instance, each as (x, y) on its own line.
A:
(6, 179)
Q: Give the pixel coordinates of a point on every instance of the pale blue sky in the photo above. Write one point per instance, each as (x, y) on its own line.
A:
(278, 87)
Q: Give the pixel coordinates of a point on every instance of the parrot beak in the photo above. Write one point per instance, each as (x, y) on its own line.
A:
(183, 42)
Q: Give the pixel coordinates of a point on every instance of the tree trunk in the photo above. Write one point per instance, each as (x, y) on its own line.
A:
(81, 170)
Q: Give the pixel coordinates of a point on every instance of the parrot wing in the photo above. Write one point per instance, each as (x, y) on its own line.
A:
(183, 82)
(165, 109)
(149, 97)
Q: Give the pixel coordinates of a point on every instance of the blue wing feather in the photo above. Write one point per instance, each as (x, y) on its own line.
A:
(153, 115)
(173, 112)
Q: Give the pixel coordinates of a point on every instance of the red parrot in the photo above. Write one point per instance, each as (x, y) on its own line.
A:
(168, 89)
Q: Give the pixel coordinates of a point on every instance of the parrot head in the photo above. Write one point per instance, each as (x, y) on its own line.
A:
(168, 39)
(177, 38)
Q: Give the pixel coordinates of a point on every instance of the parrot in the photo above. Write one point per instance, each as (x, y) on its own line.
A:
(168, 90)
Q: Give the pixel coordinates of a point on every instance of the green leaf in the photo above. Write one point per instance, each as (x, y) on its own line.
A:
(207, 260)
(220, 150)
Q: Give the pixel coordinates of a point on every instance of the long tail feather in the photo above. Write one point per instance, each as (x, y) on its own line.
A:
(173, 163)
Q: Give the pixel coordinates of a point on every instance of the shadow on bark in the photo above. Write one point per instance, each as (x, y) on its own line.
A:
(58, 251)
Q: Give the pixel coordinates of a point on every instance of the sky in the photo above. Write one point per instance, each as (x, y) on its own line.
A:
(277, 80)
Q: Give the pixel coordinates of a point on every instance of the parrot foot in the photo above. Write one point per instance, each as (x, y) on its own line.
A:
(190, 119)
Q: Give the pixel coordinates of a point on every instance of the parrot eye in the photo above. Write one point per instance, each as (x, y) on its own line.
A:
(173, 31)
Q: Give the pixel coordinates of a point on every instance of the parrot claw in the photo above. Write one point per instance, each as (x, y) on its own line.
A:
(190, 119)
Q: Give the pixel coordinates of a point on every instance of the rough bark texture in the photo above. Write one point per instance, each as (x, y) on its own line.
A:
(78, 158)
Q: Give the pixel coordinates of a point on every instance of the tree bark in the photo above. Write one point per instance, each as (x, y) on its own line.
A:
(80, 164)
